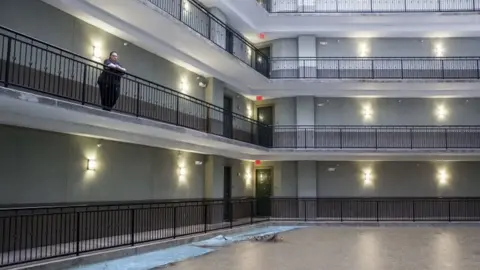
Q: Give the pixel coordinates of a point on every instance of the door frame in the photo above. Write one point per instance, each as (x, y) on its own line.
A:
(255, 178)
(263, 106)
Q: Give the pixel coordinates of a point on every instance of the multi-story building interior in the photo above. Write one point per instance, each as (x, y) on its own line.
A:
(255, 110)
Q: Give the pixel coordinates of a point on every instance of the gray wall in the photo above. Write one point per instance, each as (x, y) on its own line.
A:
(409, 111)
(380, 47)
(389, 178)
(284, 110)
(398, 179)
(397, 47)
(45, 167)
(385, 111)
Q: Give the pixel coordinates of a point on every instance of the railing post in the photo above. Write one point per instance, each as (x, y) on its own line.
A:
(84, 83)
(341, 210)
(174, 222)
(449, 212)
(401, 60)
(205, 229)
(446, 138)
(478, 69)
(207, 120)
(7, 63)
(377, 212)
(411, 138)
(305, 209)
(305, 131)
(413, 210)
(178, 110)
(443, 66)
(180, 9)
(405, 6)
(138, 99)
(376, 138)
(341, 139)
(132, 224)
(231, 213)
(251, 211)
(77, 251)
(439, 5)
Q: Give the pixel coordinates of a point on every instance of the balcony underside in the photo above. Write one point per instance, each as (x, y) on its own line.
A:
(196, 48)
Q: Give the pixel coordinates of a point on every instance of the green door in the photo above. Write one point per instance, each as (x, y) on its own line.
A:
(263, 191)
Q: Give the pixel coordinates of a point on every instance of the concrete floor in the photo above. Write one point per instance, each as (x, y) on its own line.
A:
(351, 248)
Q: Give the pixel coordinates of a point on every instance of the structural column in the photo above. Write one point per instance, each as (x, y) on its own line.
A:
(305, 131)
(307, 188)
(214, 93)
(213, 187)
(307, 52)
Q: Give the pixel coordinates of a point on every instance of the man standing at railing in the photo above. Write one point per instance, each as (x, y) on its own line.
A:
(109, 81)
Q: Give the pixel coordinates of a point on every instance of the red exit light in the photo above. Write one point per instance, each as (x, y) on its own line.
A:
(259, 98)
(261, 35)
(258, 162)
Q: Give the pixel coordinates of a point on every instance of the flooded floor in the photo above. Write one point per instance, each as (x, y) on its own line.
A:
(351, 248)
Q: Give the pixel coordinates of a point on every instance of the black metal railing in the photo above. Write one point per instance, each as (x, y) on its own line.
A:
(38, 233)
(376, 137)
(376, 68)
(198, 18)
(376, 209)
(368, 6)
(39, 67)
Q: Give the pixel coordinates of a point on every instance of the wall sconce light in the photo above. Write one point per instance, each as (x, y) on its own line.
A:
(439, 50)
(249, 51)
(182, 171)
(249, 112)
(367, 112)
(91, 164)
(96, 53)
(441, 112)
(186, 5)
(184, 86)
(259, 59)
(442, 177)
(367, 177)
(248, 179)
(363, 50)
(260, 117)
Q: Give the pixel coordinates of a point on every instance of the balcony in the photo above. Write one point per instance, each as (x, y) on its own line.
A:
(368, 6)
(444, 68)
(376, 137)
(199, 19)
(38, 67)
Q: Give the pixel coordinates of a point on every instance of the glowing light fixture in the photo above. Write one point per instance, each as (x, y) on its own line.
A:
(367, 177)
(96, 53)
(442, 177)
(439, 50)
(363, 49)
(91, 164)
(441, 112)
(367, 112)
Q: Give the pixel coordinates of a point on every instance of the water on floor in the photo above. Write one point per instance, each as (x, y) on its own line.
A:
(164, 257)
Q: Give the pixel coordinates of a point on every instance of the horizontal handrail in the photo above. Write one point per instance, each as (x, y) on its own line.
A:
(368, 6)
(195, 16)
(93, 63)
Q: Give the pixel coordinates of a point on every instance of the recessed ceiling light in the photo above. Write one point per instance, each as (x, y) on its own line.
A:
(320, 104)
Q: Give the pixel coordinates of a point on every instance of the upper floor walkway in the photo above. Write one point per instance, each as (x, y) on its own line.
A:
(368, 6)
(33, 66)
(200, 39)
